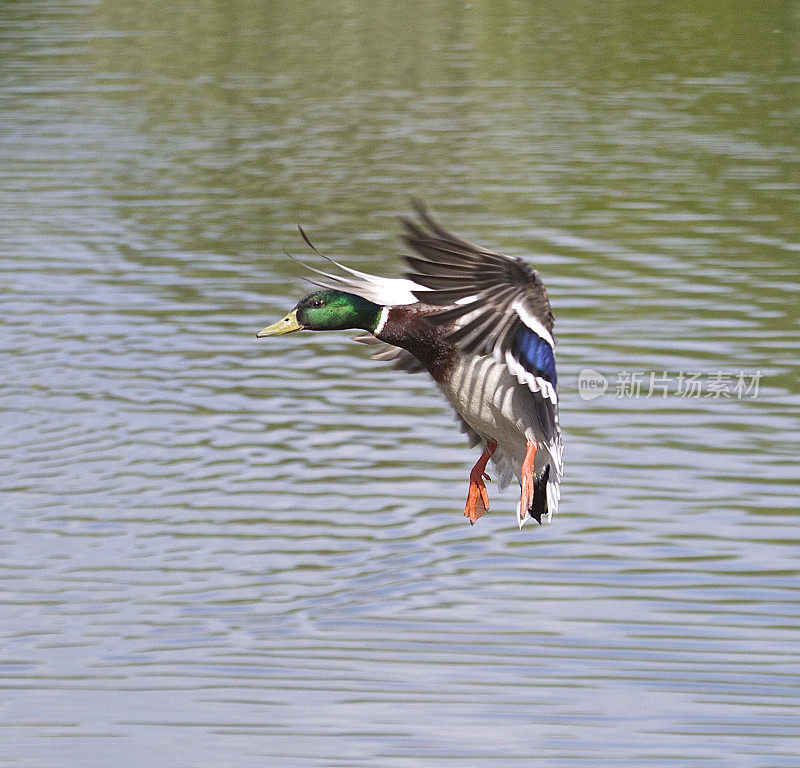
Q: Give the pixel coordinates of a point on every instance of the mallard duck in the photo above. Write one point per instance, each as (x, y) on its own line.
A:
(480, 323)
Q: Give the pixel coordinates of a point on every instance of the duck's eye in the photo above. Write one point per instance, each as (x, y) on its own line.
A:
(317, 303)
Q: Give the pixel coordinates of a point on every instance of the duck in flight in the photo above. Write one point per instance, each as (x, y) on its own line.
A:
(478, 322)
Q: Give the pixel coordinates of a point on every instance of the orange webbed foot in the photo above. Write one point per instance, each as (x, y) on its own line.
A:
(527, 481)
(477, 497)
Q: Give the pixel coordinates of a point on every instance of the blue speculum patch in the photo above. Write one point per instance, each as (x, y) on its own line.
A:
(535, 354)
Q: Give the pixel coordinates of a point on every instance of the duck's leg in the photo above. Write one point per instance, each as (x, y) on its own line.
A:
(528, 478)
(477, 498)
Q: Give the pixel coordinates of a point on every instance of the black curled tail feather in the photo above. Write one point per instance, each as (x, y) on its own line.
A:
(539, 505)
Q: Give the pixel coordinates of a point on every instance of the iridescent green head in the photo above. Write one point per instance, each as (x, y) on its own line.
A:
(328, 310)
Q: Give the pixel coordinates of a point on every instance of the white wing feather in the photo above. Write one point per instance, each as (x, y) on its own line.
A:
(386, 291)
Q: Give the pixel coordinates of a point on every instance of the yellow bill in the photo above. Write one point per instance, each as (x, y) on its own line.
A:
(289, 324)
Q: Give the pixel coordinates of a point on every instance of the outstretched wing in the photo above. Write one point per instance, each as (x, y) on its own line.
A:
(491, 304)
(494, 304)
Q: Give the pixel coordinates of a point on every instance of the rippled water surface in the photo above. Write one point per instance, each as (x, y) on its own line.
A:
(217, 551)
